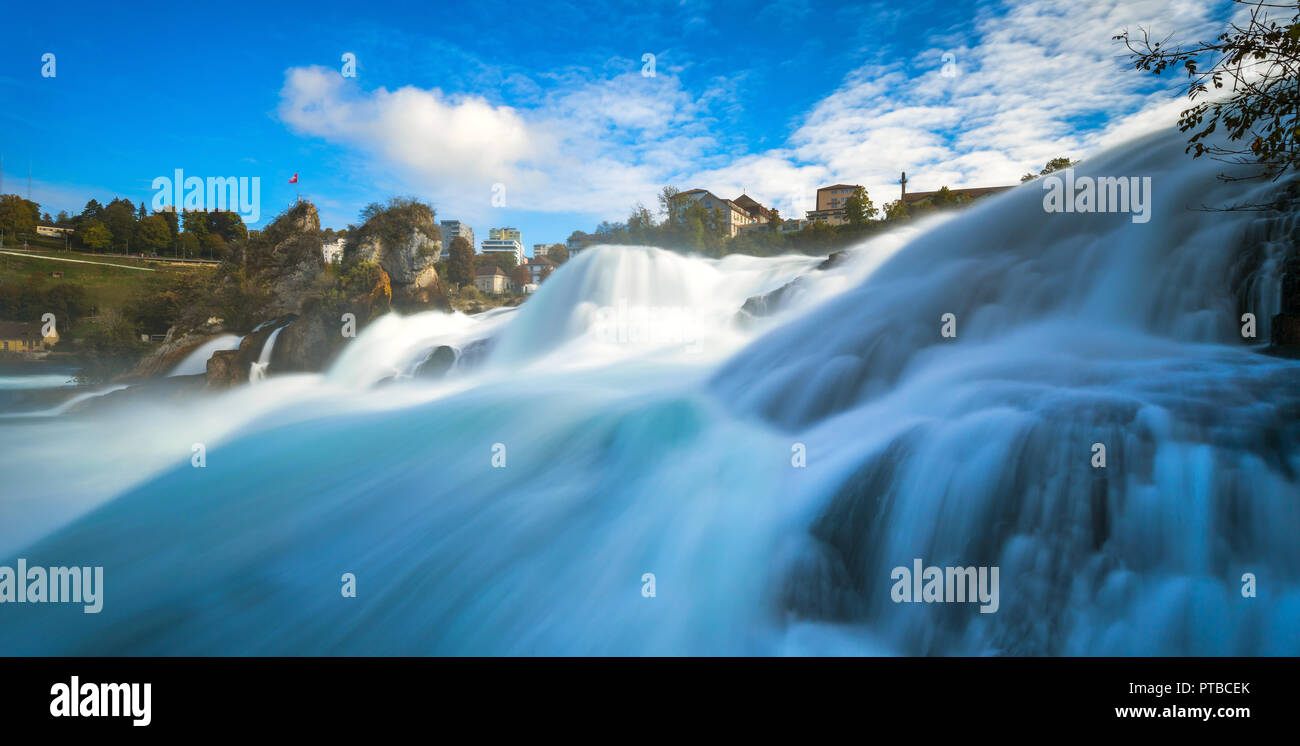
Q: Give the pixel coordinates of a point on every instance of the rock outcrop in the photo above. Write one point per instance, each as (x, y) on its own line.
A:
(228, 368)
(404, 239)
(164, 358)
(768, 303)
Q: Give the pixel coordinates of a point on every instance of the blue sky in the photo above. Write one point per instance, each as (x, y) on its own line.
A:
(547, 104)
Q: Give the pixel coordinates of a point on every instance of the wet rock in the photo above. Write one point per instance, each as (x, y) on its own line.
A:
(440, 360)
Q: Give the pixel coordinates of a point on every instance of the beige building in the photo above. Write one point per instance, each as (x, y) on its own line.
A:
(732, 216)
(24, 336)
(491, 280)
(830, 204)
(52, 231)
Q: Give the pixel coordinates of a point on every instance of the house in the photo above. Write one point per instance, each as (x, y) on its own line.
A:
(831, 201)
(452, 229)
(50, 230)
(333, 251)
(538, 267)
(491, 280)
(731, 216)
(756, 211)
(24, 336)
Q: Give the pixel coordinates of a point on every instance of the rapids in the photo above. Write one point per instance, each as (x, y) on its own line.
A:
(623, 422)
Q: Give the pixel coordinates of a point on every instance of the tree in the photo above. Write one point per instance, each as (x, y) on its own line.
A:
(153, 235)
(16, 215)
(227, 224)
(858, 208)
(1260, 60)
(213, 246)
(92, 211)
(194, 223)
(668, 204)
(640, 223)
(460, 262)
(94, 236)
(1056, 164)
(558, 253)
(897, 211)
(521, 276)
(188, 244)
(774, 220)
(119, 219)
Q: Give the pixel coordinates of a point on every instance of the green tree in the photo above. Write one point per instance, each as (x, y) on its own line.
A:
(213, 246)
(1056, 164)
(16, 216)
(460, 262)
(858, 208)
(94, 235)
(194, 223)
(188, 245)
(92, 211)
(119, 219)
(153, 235)
(1258, 61)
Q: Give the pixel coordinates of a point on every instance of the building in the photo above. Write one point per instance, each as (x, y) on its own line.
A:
(333, 251)
(756, 211)
(971, 192)
(451, 229)
(51, 230)
(491, 280)
(505, 246)
(539, 266)
(577, 242)
(505, 234)
(731, 216)
(24, 336)
(541, 249)
(830, 204)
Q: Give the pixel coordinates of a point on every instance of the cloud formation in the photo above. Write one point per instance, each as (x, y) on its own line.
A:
(1029, 81)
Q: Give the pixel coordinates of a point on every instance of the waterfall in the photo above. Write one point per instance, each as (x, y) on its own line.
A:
(196, 363)
(257, 370)
(767, 475)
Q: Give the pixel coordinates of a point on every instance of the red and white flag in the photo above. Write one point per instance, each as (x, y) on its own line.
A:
(294, 180)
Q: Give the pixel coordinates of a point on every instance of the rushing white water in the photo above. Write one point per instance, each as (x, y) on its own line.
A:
(257, 370)
(196, 362)
(625, 421)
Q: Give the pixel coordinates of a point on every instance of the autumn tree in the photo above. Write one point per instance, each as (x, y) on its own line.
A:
(1244, 83)
(460, 262)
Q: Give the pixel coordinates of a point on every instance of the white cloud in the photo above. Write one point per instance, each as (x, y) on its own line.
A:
(1036, 79)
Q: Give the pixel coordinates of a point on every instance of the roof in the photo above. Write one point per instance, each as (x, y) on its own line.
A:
(19, 329)
(751, 205)
(488, 272)
(971, 192)
(840, 186)
(542, 261)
